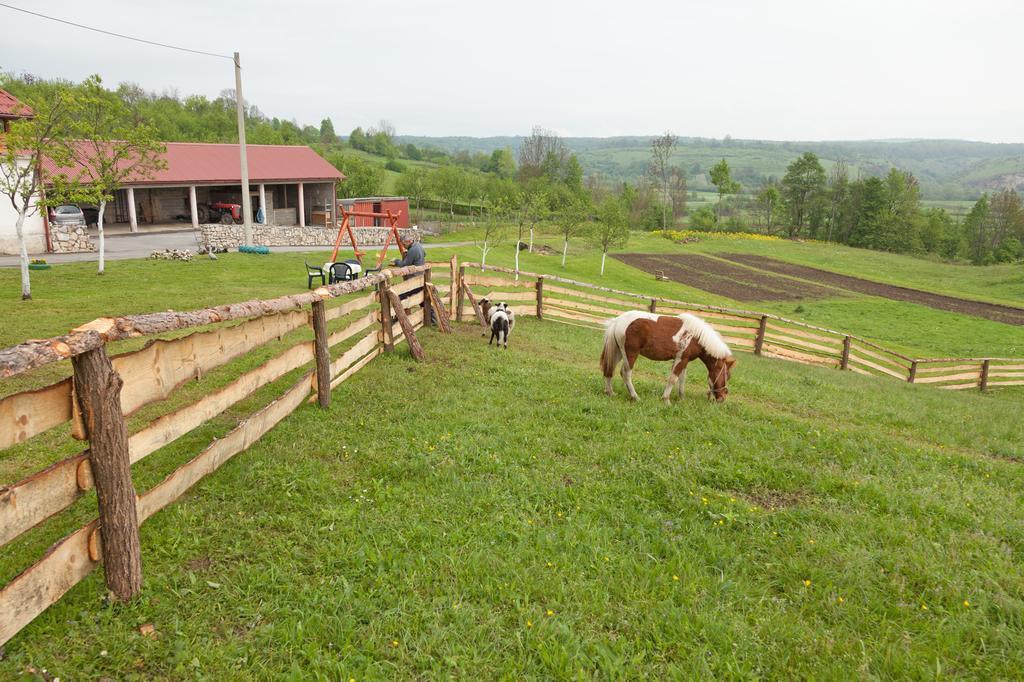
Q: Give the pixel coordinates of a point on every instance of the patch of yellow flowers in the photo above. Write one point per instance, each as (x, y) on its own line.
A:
(691, 235)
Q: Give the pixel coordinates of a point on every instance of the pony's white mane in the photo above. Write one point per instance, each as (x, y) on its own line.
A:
(709, 339)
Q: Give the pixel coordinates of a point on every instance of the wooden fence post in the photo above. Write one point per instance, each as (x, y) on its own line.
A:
(452, 286)
(653, 307)
(385, 316)
(426, 297)
(540, 298)
(844, 362)
(983, 381)
(913, 372)
(461, 283)
(323, 355)
(410, 334)
(759, 341)
(98, 388)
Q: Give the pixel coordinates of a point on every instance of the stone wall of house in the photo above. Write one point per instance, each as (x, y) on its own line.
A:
(70, 239)
(220, 236)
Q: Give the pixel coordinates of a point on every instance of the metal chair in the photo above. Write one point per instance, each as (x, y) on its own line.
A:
(312, 272)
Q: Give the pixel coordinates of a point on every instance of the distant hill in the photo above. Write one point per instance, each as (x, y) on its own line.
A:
(947, 169)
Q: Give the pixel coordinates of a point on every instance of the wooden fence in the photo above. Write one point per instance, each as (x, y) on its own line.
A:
(580, 303)
(104, 390)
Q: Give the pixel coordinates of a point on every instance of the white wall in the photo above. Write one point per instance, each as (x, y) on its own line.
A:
(35, 234)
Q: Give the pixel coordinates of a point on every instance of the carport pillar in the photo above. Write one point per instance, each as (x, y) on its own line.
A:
(263, 203)
(133, 218)
(193, 207)
(302, 206)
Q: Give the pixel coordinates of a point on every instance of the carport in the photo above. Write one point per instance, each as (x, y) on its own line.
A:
(293, 185)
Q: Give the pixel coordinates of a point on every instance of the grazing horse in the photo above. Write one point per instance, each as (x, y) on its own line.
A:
(666, 337)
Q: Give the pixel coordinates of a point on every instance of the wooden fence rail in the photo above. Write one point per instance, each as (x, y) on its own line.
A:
(103, 391)
(582, 303)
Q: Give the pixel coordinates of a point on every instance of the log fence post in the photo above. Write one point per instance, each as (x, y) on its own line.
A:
(426, 297)
(98, 389)
(407, 329)
(983, 380)
(452, 282)
(323, 355)
(912, 376)
(653, 307)
(540, 298)
(461, 283)
(844, 362)
(759, 341)
(385, 317)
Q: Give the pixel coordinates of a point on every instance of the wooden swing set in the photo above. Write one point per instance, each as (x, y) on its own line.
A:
(346, 227)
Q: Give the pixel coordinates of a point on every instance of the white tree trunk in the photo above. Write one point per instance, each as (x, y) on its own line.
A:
(603, 254)
(565, 250)
(531, 238)
(517, 260)
(26, 284)
(99, 228)
(483, 257)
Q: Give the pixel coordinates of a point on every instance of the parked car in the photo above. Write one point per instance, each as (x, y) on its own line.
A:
(92, 215)
(67, 215)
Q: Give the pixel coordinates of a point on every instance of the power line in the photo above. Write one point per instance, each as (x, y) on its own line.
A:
(116, 35)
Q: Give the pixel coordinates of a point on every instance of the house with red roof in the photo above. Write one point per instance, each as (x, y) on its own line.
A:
(34, 227)
(200, 182)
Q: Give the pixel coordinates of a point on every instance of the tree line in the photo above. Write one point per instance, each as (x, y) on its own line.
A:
(886, 214)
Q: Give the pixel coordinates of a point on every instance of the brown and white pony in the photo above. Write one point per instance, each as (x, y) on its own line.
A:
(679, 338)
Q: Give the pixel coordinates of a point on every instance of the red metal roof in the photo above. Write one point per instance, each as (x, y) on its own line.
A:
(203, 163)
(11, 107)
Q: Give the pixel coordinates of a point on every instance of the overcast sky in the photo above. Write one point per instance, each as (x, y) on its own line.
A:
(786, 69)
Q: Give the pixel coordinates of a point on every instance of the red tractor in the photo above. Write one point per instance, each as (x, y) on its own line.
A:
(220, 211)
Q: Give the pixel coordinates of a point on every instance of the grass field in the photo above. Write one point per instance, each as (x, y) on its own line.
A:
(493, 514)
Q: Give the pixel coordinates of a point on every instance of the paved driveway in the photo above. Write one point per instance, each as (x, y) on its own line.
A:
(140, 245)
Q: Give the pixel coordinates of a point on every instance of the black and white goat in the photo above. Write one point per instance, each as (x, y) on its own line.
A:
(501, 320)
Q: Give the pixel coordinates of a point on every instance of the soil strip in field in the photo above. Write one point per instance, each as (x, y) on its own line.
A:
(724, 279)
(989, 311)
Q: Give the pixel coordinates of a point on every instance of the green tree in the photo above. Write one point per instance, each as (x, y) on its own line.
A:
(327, 134)
(362, 178)
(611, 229)
(501, 163)
(767, 201)
(868, 213)
(801, 186)
(1007, 226)
(838, 197)
(357, 139)
(570, 217)
(450, 185)
(976, 232)
(721, 178)
(29, 140)
(415, 184)
(660, 170)
(110, 150)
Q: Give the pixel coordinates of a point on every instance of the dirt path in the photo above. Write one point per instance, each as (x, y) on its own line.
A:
(721, 278)
(989, 311)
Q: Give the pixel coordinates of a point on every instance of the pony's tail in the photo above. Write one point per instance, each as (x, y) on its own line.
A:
(610, 354)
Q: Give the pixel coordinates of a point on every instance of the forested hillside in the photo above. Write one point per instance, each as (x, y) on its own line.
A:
(946, 169)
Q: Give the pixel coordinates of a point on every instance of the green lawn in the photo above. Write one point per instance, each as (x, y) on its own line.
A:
(492, 514)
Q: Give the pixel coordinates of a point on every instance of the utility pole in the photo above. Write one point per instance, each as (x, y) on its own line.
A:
(246, 203)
